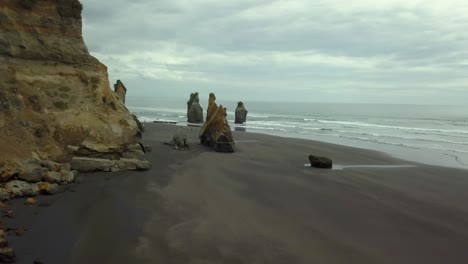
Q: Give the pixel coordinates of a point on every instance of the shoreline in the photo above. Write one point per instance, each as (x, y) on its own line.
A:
(259, 204)
(427, 157)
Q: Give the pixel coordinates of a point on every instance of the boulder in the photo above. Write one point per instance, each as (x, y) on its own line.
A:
(20, 189)
(320, 162)
(54, 166)
(241, 113)
(53, 177)
(48, 188)
(216, 131)
(31, 201)
(7, 255)
(194, 109)
(68, 176)
(83, 164)
(133, 164)
(179, 141)
(31, 171)
(4, 194)
(8, 171)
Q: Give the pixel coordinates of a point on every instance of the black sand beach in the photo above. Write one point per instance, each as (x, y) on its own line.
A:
(258, 205)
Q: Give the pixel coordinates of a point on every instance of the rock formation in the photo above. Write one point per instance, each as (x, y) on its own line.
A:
(241, 113)
(216, 131)
(194, 110)
(120, 90)
(53, 93)
(320, 162)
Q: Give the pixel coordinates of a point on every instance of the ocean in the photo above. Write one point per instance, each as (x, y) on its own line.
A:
(431, 134)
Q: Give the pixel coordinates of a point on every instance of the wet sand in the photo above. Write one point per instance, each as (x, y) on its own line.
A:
(258, 205)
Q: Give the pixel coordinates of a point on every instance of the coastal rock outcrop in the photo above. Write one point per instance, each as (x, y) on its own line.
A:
(120, 90)
(320, 162)
(53, 93)
(241, 113)
(194, 109)
(216, 131)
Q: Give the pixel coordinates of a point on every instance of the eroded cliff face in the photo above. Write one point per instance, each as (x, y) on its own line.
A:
(53, 93)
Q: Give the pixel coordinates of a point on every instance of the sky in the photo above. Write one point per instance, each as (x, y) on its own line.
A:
(359, 51)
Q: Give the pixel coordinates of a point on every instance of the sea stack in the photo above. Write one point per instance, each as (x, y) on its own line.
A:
(241, 113)
(216, 131)
(55, 98)
(120, 90)
(194, 109)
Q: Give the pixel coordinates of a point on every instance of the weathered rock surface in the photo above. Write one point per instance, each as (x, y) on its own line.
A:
(241, 113)
(216, 131)
(53, 93)
(48, 188)
(17, 188)
(194, 109)
(31, 171)
(179, 141)
(120, 90)
(84, 164)
(320, 162)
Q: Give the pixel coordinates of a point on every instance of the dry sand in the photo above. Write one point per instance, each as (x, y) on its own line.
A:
(258, 205)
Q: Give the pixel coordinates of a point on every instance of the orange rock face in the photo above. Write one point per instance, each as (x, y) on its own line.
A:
(53, 93)
(216, 131)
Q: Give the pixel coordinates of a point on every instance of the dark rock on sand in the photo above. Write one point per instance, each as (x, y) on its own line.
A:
(241, 113)
(194, 109)
(216, 131)
(320, 162)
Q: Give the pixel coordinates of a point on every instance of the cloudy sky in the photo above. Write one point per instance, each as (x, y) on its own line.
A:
(385, 51)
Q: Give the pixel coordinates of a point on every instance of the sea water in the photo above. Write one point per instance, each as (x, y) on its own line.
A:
(432, 134)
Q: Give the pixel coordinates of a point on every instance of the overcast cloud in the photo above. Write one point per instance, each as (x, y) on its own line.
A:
(397, 51)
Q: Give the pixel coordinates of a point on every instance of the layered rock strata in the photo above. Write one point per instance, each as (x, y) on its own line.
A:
(53, 93)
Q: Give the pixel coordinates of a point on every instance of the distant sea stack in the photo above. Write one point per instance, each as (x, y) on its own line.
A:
(194, 109)
(120, 90)
(216, 131)
(55, 98)
(241, 113)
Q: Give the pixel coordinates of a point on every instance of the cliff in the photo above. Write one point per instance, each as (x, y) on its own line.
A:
(53, 93)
